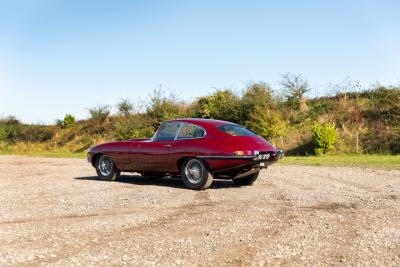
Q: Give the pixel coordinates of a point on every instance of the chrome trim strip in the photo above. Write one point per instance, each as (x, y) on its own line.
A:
(228, 157)
(180, 123)
(179, 131)
(154, 138)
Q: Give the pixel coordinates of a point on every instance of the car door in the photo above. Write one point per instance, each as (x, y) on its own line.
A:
(153, 155)
(189, 142)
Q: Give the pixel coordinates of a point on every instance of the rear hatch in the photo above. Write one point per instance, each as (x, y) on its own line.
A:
(252, 143)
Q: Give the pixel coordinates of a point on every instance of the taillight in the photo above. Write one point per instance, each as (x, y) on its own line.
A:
(242, 153)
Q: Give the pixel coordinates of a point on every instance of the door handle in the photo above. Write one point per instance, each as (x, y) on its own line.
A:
(168, 146)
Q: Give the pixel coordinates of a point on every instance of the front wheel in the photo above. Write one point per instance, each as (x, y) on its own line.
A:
(106, 169)
(195, 174)
(247, 180)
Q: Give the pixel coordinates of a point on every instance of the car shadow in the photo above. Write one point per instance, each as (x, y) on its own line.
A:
(164, 181)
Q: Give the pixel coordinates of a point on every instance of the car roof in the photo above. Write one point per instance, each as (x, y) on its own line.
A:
(201, 121)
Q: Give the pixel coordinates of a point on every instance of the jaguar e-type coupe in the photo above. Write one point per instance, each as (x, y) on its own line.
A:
(197, 150)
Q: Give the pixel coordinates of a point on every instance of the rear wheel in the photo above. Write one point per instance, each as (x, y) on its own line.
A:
(106, 169)
(195, 174)
(247, 180)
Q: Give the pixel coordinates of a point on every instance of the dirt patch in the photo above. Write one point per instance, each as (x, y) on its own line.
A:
(334, 206)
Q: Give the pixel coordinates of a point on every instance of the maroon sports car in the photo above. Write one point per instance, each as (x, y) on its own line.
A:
(196, 149)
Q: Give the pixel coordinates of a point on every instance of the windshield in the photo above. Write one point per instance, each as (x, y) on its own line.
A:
(235, 130)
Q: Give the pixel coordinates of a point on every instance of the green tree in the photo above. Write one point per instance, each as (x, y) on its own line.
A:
(69, 121)
(295, 87)
(13, 128)
(3, 133)
(324, 137)
(59, 123)
(125, 107)
(12, 120)
(98, 115)
(259, 111)
(222, 105)
(161, 107)
(135, 126)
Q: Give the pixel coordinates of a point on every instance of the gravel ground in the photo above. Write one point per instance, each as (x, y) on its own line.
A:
(55, 212)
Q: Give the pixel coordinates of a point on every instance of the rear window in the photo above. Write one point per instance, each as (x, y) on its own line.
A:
(235, 130)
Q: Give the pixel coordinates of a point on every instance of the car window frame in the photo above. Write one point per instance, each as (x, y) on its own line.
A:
(236, 125)
(186, 138)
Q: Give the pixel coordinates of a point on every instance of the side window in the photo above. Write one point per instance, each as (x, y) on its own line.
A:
(167, 132)
(191, 131)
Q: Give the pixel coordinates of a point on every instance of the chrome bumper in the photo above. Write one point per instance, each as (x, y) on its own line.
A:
(279, 153)
(259, 157)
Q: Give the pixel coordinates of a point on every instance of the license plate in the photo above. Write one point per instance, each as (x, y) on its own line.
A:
(263, 157)
(262, 164)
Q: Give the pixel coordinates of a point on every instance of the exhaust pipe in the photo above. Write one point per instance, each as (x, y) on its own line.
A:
(246, 173)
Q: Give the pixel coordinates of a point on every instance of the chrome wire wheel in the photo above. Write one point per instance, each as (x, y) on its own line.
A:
(195, 174)
(106, 166)
(194, 171)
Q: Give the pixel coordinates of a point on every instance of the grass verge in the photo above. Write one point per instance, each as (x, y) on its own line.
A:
(389, 162)
(48, 154)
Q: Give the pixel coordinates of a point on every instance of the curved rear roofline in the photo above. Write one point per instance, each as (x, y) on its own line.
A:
(202, 122)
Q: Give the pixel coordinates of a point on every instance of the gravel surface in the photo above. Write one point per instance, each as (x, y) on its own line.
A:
(55, 212)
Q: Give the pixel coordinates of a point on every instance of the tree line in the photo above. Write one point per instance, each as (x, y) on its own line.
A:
(361, 121)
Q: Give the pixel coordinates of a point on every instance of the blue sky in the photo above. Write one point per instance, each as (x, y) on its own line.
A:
(60, 57)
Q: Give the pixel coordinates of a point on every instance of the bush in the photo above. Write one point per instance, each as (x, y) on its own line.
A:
(13, 131)
(69, 121)
(259, 111)
(161, 107)
(3, 133)
(36, 133)
(295, 87)
(367, 121)
(221, 105)
(324, 137)
(59, 123)
(135, 126)
(98, 116)
(99, 113)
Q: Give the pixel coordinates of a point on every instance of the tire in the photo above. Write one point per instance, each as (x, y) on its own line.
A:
(247, 180)
(106, 169)
(195, 174)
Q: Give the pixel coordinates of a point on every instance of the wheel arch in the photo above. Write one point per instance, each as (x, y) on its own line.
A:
(94, 158)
